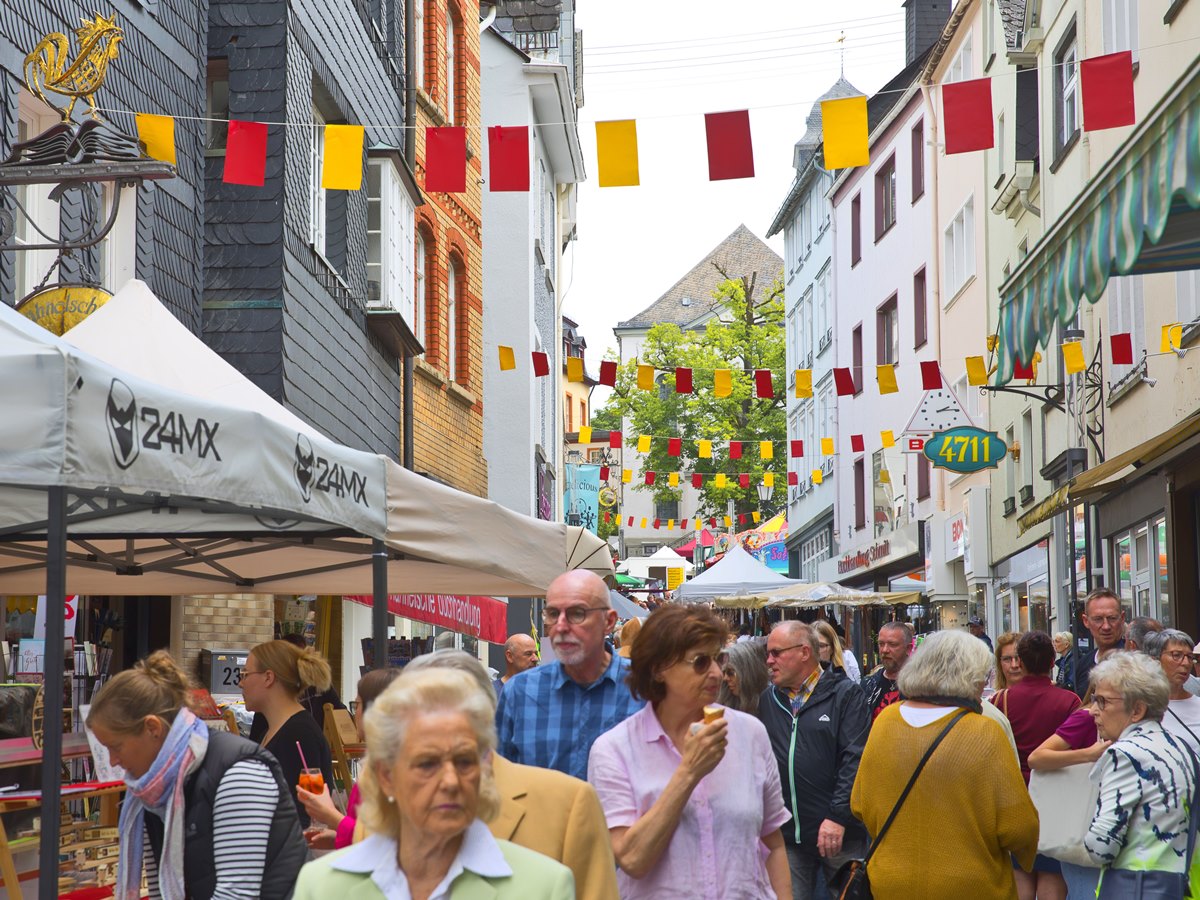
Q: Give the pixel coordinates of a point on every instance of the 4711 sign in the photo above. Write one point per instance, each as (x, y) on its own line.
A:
(965, 449)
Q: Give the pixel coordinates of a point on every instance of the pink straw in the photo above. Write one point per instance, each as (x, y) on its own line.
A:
(303, 761)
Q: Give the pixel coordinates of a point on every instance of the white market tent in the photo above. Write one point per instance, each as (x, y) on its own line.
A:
(663, 558)
(736, 574)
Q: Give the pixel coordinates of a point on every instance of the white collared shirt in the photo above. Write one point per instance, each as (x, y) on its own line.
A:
(376, 855)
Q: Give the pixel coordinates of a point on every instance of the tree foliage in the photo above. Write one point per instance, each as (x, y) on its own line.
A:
(746, 333)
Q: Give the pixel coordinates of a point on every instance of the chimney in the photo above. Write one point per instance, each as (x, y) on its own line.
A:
(923, 24)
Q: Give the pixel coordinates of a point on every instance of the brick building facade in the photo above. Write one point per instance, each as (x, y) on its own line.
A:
(448, 388)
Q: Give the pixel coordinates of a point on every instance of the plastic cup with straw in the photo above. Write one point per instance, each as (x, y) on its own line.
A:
(311, 780)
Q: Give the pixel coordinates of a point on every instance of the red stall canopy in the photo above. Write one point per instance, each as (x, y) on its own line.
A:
(483, 617)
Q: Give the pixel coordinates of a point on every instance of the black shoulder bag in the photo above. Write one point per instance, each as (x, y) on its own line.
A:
(851, 881)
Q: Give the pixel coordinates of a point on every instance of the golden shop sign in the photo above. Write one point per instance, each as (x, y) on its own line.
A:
(60, 308)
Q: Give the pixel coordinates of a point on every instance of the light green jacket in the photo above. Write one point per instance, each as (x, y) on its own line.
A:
(491, 870)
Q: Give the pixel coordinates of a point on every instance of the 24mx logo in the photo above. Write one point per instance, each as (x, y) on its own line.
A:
(170, 431)
(316, 473)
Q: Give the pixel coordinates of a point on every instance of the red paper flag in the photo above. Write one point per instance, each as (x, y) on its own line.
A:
(541, 363)
(1107, 87)
(793, 478)
(730, 151)
(1122, 349)
(843, 382)
(741, 518)
(608, 373)
(615, 440)
(446, 160)
(713, 521)
(697, 480)
(931, 375)
(735, 449)
(604, 473)
(683, 380)
(508, 158)
(607, 517)
(763, 388)
(744, 480)
(856, 443)
(967, 115)
(649, 478)
(674, 446)
(656, 522)
(246, 153)
(631, 521)
(1021, 370)
(797, 448)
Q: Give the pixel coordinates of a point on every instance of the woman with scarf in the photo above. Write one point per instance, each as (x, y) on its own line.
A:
(206, 814)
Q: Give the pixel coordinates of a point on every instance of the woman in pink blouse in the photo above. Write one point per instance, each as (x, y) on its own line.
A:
(694, 809)
(331, 828)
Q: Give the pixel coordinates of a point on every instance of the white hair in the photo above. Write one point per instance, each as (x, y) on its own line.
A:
(946, 664)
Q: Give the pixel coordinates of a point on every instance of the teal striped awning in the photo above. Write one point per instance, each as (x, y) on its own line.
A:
(1140, 213)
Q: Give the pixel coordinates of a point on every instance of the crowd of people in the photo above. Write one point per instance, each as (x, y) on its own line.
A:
(687, 763)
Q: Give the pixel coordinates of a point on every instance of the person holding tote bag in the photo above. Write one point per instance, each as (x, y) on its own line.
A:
(1143, 832)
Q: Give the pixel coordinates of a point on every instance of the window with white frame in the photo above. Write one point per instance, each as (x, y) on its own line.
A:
(805, 219)
(117, 253)
(822, 309)
(317, 198)
(959, 250)
(789, 246)
(999, 149)
(418, 44)
(1120, 25)
(1126, 315)
(390, 228)
(807, 336)
(962, 67)
(1187, 296)
(420, 287)
(813, 552)
(451, 65)
(216, 107)
(33, 118)
(452, 320)
(795, 349)
(812, 449)
(828, 423)
(1066, 91)
(989, 30)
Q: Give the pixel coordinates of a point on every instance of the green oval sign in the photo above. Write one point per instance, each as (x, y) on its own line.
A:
(965, 449)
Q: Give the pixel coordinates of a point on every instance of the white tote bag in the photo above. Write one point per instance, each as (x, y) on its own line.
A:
(1066, 801)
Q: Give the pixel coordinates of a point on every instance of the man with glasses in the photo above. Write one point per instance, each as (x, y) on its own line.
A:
(550, 715)
(817, 721)
(1104, 618)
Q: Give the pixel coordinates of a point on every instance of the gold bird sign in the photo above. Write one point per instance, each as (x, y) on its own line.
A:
(48, 67)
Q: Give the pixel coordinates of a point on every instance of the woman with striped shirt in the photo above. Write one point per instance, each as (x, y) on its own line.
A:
(206, 815)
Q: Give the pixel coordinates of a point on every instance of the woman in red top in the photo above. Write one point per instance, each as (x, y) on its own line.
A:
(1035, 708)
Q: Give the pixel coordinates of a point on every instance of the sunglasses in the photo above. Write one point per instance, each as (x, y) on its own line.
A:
(701, 662)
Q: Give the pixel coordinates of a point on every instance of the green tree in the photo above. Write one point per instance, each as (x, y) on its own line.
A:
(747, 333)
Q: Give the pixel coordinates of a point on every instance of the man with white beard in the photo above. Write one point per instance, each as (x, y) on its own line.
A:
(549, 716)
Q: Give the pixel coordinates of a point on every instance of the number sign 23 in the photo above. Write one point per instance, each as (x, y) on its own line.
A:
(965, 449)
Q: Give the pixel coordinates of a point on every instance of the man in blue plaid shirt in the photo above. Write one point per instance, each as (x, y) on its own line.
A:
(550, 715)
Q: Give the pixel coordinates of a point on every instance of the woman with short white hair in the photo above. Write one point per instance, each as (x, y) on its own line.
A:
(427, 791)
(1173, 650)
(1064, 664)
(1142, 831)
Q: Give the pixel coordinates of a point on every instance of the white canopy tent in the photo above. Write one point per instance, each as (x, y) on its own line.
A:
(663, 558)
(736, 574)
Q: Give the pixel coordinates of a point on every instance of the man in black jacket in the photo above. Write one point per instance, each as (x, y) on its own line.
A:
(817, 720)
(1104, 617)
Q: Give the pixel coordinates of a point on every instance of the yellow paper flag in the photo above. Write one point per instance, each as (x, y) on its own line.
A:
(673, 479)
(817, 476)
(827, 446)
(766, 450)
(719, 481)
(722, 383)
(670, 524)
(756, 516)
(645, 378)
(844, 127)
(728, 522)
(585, 434)
(643, 443)
(342, 165)
(507, 359)
(705, 449)
(886, 376)
(617, 153)
(1073, 357)
(976, 371)
(769, 479)
(626, 476)
(803, 383)
(889, 439)
(699, 525)
(1172, 337)
(158, 134)
(574, 368)
(643, 521)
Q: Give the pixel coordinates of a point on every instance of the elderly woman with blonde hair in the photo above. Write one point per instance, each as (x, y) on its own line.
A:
(427, 792)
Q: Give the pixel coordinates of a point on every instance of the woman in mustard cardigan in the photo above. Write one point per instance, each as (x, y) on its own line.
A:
(426, 789)
(969, 812)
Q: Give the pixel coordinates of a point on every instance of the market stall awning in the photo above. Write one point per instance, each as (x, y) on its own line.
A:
(1116, 472)
(1140, 213)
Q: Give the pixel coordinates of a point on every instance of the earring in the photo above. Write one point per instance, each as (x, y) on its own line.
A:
(391, 799)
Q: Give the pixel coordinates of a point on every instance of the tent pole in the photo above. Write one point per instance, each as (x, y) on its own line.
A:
(52, 696)
(379, 603)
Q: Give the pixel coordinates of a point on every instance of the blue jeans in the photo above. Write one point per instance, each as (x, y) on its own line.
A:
(1081, 881)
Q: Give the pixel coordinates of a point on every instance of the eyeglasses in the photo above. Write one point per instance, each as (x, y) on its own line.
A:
(1105, 620)
(574, 614)
(246, 673)
(701, 662)
(1101, 702)
(1010, 660)
(779, 651)
(1178, 655)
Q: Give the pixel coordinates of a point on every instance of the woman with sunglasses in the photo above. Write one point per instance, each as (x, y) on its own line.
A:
(693, 802)
(743, 676)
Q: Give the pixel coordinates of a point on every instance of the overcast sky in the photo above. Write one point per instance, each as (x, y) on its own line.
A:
(666, 64)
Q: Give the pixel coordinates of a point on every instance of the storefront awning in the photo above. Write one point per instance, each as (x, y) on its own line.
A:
(1114, 473)
(1119, 226)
